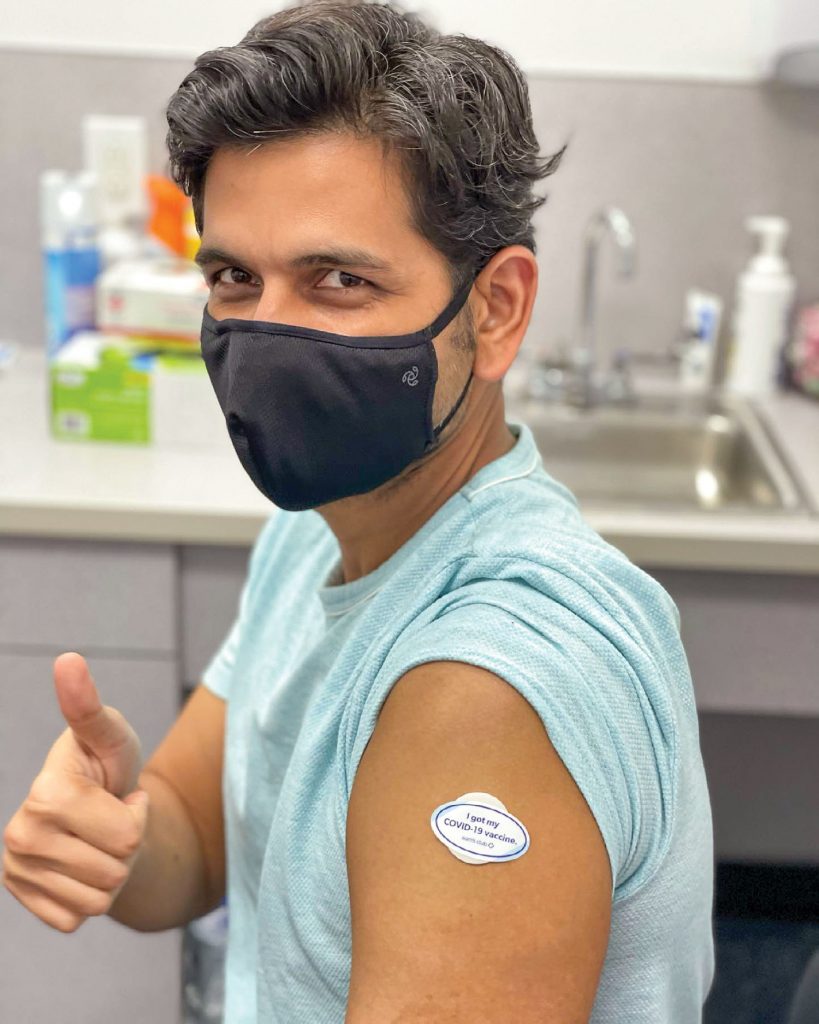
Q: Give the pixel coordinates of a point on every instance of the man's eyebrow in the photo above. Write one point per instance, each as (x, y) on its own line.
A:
(342, 258)
(339, 257)
(213, 254)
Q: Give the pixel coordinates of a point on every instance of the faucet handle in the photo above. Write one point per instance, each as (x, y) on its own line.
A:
(619, 385)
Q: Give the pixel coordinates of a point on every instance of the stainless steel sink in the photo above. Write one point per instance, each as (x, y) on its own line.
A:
(683, 453)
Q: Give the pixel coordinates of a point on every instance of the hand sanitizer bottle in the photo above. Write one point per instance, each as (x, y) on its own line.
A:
(764, 300)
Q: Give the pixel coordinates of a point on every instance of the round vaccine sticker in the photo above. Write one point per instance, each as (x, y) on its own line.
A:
(477, 829)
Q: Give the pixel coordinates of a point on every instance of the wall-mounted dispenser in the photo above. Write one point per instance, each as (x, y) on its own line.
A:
(795, 49)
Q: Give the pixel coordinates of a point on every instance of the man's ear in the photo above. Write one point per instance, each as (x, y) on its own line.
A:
(502, 307)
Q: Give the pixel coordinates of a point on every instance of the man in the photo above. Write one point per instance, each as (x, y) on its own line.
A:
(462, 775)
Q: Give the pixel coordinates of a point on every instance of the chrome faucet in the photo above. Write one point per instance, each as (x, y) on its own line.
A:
(588, 386)
(573, 377)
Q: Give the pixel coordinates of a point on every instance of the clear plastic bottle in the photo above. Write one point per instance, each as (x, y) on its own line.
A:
(204, 944)
(71, 257)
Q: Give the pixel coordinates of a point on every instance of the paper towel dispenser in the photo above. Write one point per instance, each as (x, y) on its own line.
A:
(795, 55)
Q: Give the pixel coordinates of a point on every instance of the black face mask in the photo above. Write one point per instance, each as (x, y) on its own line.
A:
(314, 416)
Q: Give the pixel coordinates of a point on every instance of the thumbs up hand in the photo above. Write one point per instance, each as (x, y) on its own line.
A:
(72, 843)
(99, 744)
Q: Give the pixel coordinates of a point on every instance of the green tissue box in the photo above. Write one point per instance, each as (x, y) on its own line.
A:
(107, 387)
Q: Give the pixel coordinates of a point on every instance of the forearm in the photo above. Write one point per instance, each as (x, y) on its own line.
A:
(169, 884)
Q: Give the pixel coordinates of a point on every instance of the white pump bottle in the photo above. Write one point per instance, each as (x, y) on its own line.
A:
(764, 298)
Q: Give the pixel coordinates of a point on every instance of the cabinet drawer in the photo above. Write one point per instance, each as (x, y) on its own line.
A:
(95, 595)
(751, 639)
(212, 580)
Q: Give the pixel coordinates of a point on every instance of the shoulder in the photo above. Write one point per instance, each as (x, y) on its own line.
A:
(544, 558)
(530, 932)
(580, 646)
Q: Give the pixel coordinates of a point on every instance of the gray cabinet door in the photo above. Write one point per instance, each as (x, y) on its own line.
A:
(103, 972)
(752, 639)
(87, 595)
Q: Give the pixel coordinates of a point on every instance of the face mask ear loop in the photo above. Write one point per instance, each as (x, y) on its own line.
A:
(437, 430)
(437, 326)
(453, 307)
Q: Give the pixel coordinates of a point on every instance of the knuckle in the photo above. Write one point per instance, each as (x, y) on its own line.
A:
(130, 841)
(115, 715)
(20, 893)
(9, 868)
(97, 903)
(66, 921)
(116, 875)
(47, 791)
(119, 724)
(8, 882)
(15, 836)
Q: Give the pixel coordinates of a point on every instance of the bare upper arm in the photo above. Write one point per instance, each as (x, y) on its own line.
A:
(189, 759)
(438, 940)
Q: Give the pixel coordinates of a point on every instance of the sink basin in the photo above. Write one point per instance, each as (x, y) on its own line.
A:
(682, 453)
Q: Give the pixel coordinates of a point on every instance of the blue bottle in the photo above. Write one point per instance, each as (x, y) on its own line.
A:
(71, 254)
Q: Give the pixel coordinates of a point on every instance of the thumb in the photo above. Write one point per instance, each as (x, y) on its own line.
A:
(96, 728)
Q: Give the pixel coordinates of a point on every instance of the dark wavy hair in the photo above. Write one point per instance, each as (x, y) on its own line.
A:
(453, 108)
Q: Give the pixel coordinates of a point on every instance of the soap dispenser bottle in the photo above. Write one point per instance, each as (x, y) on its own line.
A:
(764, 300)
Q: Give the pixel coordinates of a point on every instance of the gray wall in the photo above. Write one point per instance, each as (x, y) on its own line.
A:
(687, 161)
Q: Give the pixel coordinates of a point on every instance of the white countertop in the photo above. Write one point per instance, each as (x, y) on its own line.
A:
(202, 495)
(794, 419)
(192, 494)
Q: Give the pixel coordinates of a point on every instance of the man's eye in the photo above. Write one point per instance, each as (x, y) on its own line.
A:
(243, 276)
(346, 281)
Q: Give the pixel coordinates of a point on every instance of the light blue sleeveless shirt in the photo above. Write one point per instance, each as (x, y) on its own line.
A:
(506, 575)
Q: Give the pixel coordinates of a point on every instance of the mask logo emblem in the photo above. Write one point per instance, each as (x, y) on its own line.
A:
(411, 377)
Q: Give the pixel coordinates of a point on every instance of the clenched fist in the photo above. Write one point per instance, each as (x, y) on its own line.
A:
(72, 843)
